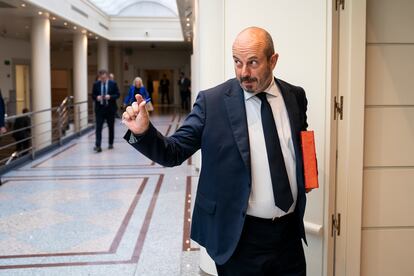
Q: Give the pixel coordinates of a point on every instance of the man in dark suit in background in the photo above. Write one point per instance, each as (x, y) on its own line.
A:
(2, 113)
(150, 86)
(164, 88)
(250, 199)
(184, 84)
(104, 93)
(23, 131)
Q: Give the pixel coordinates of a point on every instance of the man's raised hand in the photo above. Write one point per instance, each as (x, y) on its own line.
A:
(136, 116)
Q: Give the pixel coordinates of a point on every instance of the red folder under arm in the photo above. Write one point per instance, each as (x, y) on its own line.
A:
(310, 163)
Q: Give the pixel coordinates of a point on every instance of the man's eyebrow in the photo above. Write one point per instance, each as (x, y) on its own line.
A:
(250, 58)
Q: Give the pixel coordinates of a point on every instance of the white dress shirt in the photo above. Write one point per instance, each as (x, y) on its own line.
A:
(261, 200)
(104, 92)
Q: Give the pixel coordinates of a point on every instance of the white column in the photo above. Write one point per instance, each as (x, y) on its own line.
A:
(118, 72)
(41, 82)
(207, 69)
(80, 79)
(118, 65)
(103, 54)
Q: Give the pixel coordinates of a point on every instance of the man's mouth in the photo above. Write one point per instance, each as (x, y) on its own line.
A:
(248, 80)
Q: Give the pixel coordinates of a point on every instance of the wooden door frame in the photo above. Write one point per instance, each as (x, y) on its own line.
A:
(351, 85)
(331, 137)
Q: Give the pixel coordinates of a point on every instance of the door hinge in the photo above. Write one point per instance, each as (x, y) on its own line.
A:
(339, 3)
(336, 224)
(338, 108)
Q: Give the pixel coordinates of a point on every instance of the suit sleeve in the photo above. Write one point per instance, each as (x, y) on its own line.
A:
(115, 95)
(94, 91)
(174, 150)
(303, 107)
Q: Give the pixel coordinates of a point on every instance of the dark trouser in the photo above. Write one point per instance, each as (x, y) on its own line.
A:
(185, 103)
(267, 248)
(109, 117)
(165, 94)
(23, 145)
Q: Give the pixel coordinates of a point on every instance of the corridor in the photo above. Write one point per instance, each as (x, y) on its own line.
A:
(77, 212)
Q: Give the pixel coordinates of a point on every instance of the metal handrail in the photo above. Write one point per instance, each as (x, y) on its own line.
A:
(65, 102)
(62, 117)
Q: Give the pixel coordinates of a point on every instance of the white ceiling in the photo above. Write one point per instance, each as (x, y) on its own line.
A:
(15, 22)
(138, 8)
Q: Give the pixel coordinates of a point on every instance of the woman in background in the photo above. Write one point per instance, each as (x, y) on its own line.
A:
(136, 88)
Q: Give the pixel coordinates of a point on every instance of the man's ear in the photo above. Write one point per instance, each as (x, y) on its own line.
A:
(273, 60)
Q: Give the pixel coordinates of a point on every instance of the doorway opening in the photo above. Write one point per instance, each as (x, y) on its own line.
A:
(22, 99)
(155, 77)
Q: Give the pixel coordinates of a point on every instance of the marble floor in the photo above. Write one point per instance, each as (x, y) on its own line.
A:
(77, 212)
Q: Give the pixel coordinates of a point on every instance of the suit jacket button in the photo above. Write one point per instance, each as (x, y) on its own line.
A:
(243, 214)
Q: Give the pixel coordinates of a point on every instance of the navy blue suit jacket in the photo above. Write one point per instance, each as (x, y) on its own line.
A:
(218, 125)
(112, 91)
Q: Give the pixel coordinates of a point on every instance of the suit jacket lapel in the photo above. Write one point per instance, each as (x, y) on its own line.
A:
(236, 111)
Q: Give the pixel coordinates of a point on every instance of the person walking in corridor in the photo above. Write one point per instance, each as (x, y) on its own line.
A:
(3, 128)
(164, 88)
(251, 196)
(104, 93)
(184, 85)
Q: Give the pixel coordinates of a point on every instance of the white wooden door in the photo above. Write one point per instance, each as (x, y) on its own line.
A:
(375, 164)
(387, 244)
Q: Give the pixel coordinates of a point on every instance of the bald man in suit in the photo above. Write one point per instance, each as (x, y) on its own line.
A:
(251, 197)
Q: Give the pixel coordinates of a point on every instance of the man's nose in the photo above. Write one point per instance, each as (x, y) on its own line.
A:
(245, 71)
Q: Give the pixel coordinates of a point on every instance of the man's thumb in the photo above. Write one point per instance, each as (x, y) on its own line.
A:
(142, 107)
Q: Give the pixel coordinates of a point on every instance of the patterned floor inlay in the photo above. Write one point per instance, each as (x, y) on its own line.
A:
(77, 212)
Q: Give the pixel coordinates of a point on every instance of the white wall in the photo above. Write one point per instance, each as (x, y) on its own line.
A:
(145, 29)
(299, 30)
(11, 49)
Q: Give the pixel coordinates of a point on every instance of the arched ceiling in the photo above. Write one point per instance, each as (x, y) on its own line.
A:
(138, 8)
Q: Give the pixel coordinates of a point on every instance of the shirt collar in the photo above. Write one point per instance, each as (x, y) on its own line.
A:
(272, 89)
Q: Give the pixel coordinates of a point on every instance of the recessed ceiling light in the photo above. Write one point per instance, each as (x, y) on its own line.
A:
(188, 19)
(39, 13)
(23, 5)
(90, 34)
(188, 24)
(53, 18)
(96, 37)
(65, 23)
(74, 27)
